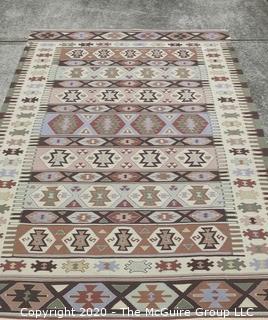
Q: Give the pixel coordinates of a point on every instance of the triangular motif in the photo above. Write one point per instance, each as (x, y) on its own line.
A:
(56, 304)
(119, 306)
(184, 305)
(120, 287)
(73, 204)
(59, 287)
(244, 285)
(247, 303)
(182, 287)
(174, 204)
(124, 204)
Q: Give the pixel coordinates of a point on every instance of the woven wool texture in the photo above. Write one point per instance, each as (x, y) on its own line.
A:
(132, 175)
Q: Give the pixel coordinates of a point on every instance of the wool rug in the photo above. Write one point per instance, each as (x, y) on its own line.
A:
(133, 178)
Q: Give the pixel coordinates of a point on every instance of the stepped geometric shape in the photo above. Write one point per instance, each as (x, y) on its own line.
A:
(65, 124)
(150, 124)
(166, 239)
(123, 240)
(106, 125)
(190, 123)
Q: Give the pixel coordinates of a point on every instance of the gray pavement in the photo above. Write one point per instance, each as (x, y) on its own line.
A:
(247, 21)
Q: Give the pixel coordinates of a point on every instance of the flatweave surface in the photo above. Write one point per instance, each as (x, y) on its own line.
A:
(132, 175)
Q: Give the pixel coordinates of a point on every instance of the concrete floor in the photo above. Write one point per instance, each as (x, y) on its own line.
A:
(247, 21)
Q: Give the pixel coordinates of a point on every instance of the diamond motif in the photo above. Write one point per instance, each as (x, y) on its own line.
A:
(148, 95)
(150, 158)
(149, 196)
(103, 53)
(26, 295)
(198, 194)
(148, 35)
(190, 123)
(77, 53)
(183, 53)
(110, 95)
(48, 35)
(124, 216)
(65, 123)
(83, 217)
(150, 124)
(260, 293)
(50, 196)
(153, 295)
(194, 158)
(58, 158)
(130, 53)
(72, 95)
(80, 240)
(156, 53)
(114, 35)
(37, 240)
(100, 196)
(166, 239)
(187, 95)
(208, 238)
(123, 239)
(89, 296)
(81, 35)
(214, 295)
(104, 158)
(106, 124)
(88, 177)
(165, 216)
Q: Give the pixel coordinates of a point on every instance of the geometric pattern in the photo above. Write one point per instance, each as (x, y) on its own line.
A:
(119, 159)
(109, 240)
(208, 295)
(131, 176)
(90, 125)
(127, 95)
(180, 74)
(142, 195)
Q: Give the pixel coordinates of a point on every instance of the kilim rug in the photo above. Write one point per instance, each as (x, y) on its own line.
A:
(132, 179)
